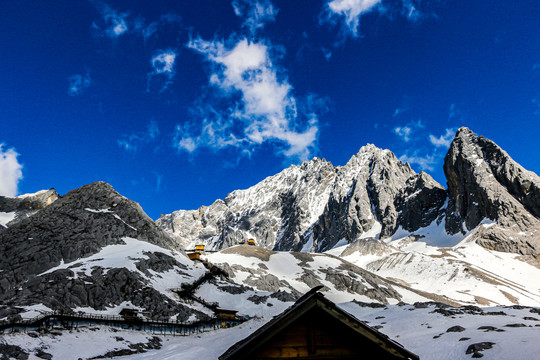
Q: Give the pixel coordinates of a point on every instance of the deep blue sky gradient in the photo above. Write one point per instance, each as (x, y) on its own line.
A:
(464, 63)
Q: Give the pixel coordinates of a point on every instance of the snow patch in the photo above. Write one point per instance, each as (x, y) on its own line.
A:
(6, 217)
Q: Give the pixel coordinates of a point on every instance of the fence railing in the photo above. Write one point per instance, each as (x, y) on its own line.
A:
(48, 319)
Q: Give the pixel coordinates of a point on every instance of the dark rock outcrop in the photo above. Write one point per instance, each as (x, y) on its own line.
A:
(75, 226)
(72, 228)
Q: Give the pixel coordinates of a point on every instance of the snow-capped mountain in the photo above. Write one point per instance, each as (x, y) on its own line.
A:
(316, 206)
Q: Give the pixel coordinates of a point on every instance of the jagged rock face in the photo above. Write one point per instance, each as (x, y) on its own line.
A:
(485, 183)
(313, 206)
(75, 226)
(275, 212)
(375, 191)
(26, 205)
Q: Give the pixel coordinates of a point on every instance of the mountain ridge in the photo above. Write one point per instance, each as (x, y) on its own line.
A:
(315, 206)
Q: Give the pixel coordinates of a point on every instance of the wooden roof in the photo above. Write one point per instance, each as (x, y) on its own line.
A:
(313, 299)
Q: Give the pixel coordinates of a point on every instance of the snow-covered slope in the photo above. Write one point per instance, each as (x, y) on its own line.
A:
(297, 273)
(463, 274)
(432, 331)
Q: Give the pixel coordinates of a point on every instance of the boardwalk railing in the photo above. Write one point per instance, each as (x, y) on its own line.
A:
(74, 320)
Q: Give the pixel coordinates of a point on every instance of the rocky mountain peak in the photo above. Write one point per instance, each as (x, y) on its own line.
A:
(486, 184)
(76, 225)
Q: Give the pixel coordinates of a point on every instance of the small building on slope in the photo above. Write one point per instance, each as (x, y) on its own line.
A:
(315, 328)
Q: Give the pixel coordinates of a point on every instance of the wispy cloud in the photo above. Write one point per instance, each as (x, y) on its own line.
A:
(256, 13)
(424, 149)
(113, 23)
(424, 162)
(348, 13)
(405, 132)
(79, 82)
(163, 65)
(443, 141)
(399, 111)
(10, 172)
(263, 107)
(132, 142)
(168, 21)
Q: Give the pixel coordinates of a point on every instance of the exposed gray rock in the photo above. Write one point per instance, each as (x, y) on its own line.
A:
(485, 183)
(314, 205)
(73, 227)
(368, 246)
(456, 328)
(8, 352)
(476, 348)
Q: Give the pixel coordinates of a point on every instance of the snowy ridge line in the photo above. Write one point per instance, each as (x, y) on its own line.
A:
(143, 324)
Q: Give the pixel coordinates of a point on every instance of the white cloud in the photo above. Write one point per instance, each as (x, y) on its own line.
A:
(443, 140)
(10, 172)
(114, 23)
(215, 132)
(351, 11)
(425, 162)
(163, 62)
(403, 132)
(133, 141)
(266, 110)
(79, 82)
(256, 13)
(163, 65)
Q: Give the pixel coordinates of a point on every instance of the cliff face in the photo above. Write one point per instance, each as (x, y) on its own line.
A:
(484, 182)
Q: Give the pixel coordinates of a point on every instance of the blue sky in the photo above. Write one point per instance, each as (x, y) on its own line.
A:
(177, 103)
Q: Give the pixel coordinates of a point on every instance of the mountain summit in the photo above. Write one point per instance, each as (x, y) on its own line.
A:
(485, 183)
